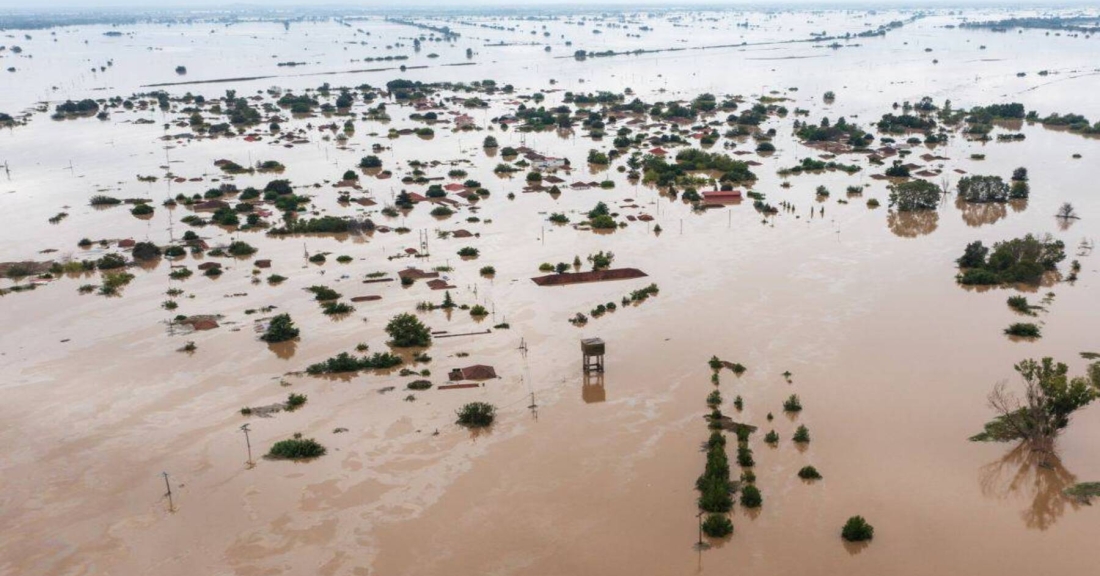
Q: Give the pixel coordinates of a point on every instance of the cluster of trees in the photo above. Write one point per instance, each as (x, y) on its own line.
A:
(987, 114)
(68, 108)
(814, 165)
(241, 114)
(1018, 260)
(302, 104)
(600, 217)
(900, 124)
(826, 132)
(661, 172)
(1074, 122)
(344, 362)
(714, 486)
(915, 195)
(322, 225)
(982, 189)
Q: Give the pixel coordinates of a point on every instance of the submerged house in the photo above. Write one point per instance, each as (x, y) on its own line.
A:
(475, 372)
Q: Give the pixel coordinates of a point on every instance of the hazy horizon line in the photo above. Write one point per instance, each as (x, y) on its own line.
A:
(138, 6)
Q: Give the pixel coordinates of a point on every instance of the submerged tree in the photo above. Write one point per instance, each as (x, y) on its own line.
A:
(280, 329)
(1067, 212)
(1050, 398)
(407, 331)
(915, 195)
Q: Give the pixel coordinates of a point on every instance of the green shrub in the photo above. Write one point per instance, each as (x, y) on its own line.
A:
(715, 495)
(792, 404)
(856, 529)
(418, 385)
(468, 252)
(478, 311)
(337, 308)
(487, 271)
(142, 210)
(809, 473)
(714, 399)
(801, 435)
(296, 448)
(1023, 330)
(295, 401)
(750, 497)
(771, 437)
(112, 281)
(716, 439)
(280, 329)
(476, 415)
(744, 456)
(240, 248)
(101, 200)
(110, 261)
(717, 526)
(1020, 304)
(146, 251)
(322, 293)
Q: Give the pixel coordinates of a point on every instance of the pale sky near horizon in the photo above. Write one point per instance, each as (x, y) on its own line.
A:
(24, 5)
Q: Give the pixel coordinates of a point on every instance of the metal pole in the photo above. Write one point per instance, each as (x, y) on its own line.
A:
(700, 517)
(248, 442)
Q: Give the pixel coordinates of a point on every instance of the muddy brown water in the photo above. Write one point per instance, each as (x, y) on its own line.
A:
(892, 360)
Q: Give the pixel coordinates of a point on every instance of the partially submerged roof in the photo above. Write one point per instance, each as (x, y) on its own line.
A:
(475, 372)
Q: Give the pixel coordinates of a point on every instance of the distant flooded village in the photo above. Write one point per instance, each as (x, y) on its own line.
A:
(541, 289)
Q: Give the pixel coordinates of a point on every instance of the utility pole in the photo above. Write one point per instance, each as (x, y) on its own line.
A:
(171, 506)
(700, 545)
(248, 442)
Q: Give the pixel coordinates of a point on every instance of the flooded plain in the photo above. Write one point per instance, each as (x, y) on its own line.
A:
(579, 474)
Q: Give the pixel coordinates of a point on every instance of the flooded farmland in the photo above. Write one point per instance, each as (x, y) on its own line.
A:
(800, 192)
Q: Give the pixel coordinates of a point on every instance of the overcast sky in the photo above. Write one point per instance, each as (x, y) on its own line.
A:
(30, 5)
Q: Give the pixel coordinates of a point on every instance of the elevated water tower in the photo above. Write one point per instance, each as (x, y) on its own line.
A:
(592, 351)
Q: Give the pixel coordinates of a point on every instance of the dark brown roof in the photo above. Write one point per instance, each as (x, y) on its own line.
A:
(475, 372)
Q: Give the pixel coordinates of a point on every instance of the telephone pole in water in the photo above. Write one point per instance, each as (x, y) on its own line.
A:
(248, 443)
(171, 506)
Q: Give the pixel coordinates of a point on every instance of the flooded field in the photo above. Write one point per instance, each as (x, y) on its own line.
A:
(123, 373)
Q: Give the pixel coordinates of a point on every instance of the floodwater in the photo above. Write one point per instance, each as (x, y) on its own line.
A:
(891, 359)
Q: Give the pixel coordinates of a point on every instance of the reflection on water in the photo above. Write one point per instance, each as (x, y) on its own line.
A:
(593, 390)
(1034, 475)
(913, 224)
(977, 214)
(854, 548)
(284, 350)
